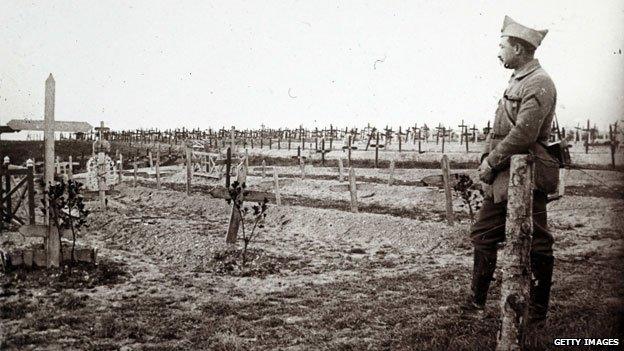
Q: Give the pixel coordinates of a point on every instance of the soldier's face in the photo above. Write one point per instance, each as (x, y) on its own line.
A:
(507, 54)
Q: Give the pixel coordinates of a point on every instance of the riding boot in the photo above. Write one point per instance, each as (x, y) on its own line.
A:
(542, 268)
(482, 274)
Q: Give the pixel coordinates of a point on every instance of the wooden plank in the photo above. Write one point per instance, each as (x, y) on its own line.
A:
(57, 126)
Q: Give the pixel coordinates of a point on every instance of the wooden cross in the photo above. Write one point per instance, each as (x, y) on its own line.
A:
(370, 137)
(578, 128)
(439, 128)
(465, 136)
(613, 142)
(587, 130)
(487, 129)
(474, 130)
(48, 125)
(462, 134)
(426, 130)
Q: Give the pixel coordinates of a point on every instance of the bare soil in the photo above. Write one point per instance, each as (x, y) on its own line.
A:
(388, 278)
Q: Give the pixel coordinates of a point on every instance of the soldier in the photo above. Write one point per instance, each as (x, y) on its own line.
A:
(521, 126)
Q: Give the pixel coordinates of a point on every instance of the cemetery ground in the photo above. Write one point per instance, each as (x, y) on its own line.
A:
(320, 277)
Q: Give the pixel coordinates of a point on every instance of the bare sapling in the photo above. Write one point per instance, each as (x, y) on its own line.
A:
(254, 214)
(67, 210)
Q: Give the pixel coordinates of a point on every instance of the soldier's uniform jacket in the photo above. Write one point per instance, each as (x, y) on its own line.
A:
(522, 123)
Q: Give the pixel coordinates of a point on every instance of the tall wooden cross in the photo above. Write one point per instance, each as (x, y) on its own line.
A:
(48, 125)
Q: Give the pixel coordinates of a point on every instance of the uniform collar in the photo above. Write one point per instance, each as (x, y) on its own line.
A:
(528, 68)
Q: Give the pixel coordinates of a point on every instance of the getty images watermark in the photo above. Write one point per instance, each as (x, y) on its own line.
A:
(586, 342)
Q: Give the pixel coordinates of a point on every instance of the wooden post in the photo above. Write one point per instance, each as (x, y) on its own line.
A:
(52, 241)
(228, 167)
(349, 153)
(233, 139)
(48, 137)
(151, 161)
(263, 169)
(134, 179)
(447, 190)
(30, 164)
(353, 190)
(7, 185)
(587, 142)
(612, 146)
(158, 168)
(278, 199)
(323, 152)
(241, 173)
(58, 166)
(563, 173)
(377, 150)
(302, 167)
(102, 170)
(340, 170)
(419, 140)
(189, 174)
(391, 176)
(233, 225)
(71, 167)
(120, 167)
(515, 257)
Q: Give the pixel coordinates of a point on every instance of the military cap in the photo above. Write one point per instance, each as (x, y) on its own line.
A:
(512, 28)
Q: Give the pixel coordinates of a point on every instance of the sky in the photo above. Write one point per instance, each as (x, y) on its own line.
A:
(281, 64)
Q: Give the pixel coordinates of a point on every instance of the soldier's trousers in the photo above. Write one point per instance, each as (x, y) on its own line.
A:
(489, 228)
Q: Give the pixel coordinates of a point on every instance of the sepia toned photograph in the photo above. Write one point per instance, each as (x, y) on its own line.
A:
(311, 175)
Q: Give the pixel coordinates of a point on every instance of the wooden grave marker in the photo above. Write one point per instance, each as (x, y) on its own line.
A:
(49, 126)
